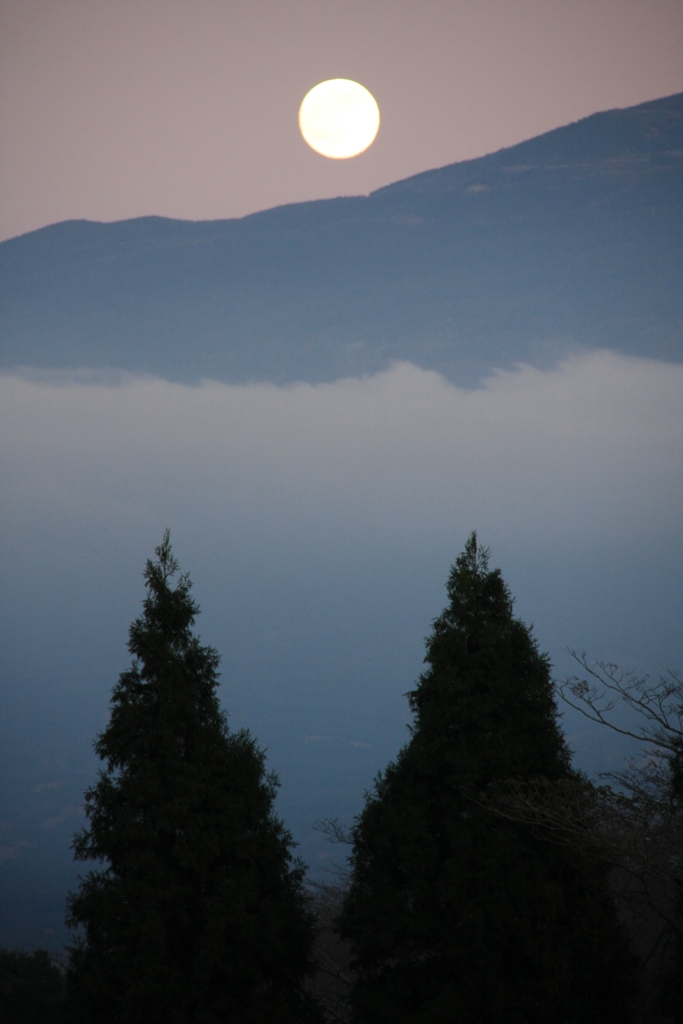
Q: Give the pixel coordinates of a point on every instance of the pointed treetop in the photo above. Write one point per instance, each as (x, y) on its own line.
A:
(167, 612)
(478, 595)
(167, 562)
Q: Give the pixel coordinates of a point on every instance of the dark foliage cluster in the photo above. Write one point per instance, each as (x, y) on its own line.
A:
(454, 912)
(32, 988)
(200, 913)
(487, 880)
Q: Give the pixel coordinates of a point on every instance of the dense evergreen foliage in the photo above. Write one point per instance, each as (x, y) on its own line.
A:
(32, 988)
(455, 912)
(199, 913)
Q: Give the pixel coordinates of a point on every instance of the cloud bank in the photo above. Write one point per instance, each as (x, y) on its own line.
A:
(591, 447)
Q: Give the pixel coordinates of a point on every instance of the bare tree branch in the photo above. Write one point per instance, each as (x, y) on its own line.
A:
(333, 980)
(660, 704)
(334, 831)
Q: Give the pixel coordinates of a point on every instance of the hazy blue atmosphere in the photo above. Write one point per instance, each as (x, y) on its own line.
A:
(333, 375)
(318, 524)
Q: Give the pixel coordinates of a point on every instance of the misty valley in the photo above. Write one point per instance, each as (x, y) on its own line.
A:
(313, 789)
(485, 875)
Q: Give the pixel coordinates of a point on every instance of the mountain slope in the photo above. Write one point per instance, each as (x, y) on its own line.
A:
(574, 238)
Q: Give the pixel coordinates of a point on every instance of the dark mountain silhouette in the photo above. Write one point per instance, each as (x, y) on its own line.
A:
(572, 239)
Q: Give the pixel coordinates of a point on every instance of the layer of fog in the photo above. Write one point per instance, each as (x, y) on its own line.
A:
(318, 524)
(593, 445)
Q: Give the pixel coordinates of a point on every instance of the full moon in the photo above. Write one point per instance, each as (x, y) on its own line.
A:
(339, 118)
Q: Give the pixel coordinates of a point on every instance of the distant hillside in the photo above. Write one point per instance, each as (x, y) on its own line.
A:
(574, 238)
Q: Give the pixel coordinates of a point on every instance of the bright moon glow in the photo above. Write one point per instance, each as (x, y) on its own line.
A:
(339, 118)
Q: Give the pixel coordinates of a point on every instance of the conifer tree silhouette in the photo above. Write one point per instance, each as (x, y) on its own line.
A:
(198, 914)
(455, 913)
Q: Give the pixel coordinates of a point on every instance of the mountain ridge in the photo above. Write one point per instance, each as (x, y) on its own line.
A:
(634, 126)
(568, 240)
